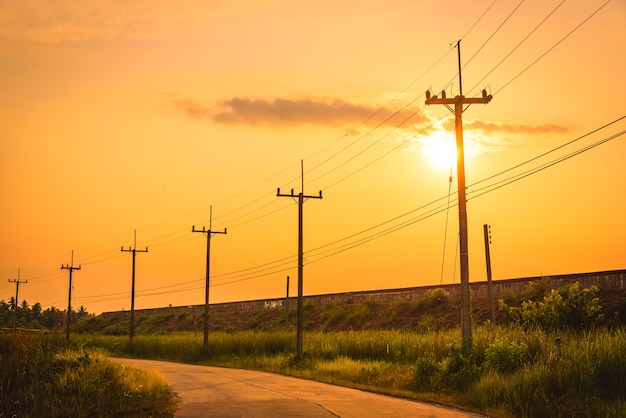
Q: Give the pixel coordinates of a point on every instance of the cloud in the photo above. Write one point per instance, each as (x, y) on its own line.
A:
(191, 108)
(296, 112)
(512, 128)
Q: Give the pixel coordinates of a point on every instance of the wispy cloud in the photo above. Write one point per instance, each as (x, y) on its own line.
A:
(282, 112)
(511, 128)
(191, 108)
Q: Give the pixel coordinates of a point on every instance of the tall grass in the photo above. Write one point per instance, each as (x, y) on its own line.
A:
(42, 376)
(509, 372)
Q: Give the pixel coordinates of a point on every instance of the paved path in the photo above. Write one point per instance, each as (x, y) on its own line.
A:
(204, 391)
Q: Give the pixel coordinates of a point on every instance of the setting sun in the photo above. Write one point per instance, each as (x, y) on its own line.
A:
(439, 150)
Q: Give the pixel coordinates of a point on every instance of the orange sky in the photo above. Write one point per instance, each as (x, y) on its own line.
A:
(141, 115)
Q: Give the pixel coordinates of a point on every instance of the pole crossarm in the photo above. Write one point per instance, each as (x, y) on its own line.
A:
(292, 194)
(430, 99)
(208, 231)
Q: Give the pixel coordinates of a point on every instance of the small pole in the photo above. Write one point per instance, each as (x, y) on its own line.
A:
(492, 309)
(287, 306)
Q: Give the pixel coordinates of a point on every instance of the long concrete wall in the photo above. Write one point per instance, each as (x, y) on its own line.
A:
(614, 279)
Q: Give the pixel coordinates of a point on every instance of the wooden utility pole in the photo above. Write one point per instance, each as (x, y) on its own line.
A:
(492, 308)
(458, 102)
(71, 268)
(208, 233)
(15, 304)
(134, 251)
(301, 197)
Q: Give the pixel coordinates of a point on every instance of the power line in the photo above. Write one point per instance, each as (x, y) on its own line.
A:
(553, 46)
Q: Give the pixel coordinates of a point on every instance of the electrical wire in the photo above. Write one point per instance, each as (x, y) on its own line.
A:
(519, 44)
(553, 46)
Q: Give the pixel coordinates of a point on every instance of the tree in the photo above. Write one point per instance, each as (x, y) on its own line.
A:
(23, 311)
(5, 312)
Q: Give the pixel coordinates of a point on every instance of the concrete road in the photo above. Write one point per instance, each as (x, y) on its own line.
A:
(204, 391)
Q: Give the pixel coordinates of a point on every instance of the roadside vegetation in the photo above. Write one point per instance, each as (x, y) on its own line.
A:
(554, 353)
(43, 376)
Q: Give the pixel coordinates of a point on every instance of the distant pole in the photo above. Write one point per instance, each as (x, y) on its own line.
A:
(287, 305)
(71, 268)
(458, 102)
(301, 197)
(208, 233)
(15, 302)
(134, 251)
(492, 309)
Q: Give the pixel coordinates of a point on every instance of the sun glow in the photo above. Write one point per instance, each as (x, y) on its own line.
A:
(440, 150)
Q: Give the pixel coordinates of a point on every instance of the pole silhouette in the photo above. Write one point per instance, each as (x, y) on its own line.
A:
(458, 102)
(492, 307)
(208, 233)
(134, 251)
(15, 304)
(301, 198)
(71, 268)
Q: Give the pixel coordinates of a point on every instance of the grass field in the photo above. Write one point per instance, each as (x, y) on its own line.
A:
(511, 372)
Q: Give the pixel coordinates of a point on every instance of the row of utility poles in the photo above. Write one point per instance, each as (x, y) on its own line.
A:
(18, 281)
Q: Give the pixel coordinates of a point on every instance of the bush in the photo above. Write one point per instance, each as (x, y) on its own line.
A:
(568, 307)
(505, 356)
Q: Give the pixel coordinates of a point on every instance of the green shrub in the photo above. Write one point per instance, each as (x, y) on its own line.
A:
(505, 356)
(568, 307)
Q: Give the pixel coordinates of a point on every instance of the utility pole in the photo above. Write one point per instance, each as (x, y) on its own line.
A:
(301, 197)
(208, 233)
(71, 268)
(492, 309)
(458, 102)
(287, 306)
(15, 304)
(134, 251)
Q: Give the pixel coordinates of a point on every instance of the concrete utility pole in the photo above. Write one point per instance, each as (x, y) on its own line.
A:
(208, 233)
(287, 306)
(301, 197)
(492, 308)
(458, 102)
(71, 268)
(15, 304)
(134, 251)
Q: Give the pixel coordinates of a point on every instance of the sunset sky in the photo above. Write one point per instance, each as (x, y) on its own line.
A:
(140, 115)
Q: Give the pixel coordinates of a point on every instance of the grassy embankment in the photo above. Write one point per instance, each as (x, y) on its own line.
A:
(43, 376)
